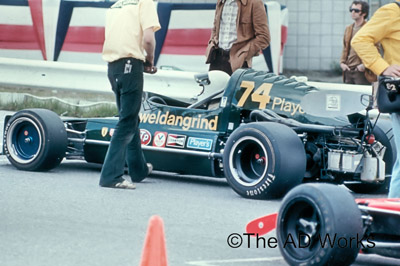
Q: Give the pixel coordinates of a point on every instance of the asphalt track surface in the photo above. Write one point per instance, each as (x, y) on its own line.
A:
(62, 217)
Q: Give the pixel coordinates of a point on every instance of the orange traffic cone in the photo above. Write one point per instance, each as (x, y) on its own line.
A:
(154, 250)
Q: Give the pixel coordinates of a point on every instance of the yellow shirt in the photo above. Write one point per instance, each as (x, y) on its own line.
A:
(125, 22)
(384, 27)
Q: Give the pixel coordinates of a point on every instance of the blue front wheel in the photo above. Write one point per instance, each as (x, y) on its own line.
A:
(24, 140)
(35, 139)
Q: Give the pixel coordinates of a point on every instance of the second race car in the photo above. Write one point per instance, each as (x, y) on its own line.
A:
(313, 228)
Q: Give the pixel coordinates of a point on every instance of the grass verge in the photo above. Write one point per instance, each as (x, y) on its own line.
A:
(78, 106)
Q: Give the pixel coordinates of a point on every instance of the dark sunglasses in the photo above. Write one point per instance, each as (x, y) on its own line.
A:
(355, 10)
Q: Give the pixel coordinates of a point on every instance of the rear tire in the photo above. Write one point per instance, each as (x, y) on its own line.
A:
(264, 160)
(35, 140)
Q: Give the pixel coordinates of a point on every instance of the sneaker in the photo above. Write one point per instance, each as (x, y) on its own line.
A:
(150, 166)
(124, 185)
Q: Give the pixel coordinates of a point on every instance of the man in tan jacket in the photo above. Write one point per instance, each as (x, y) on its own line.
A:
(354, 71)
(240, 32)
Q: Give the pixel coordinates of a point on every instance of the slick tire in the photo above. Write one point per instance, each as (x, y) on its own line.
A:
(264, 160)
(35, 140)
(319, 224)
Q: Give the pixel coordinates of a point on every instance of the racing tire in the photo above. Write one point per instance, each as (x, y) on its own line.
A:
(384, 134)
(264, 160)
(35, 140)
(319, 224)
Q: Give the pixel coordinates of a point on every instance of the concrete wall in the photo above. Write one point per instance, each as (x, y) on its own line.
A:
(316, 30)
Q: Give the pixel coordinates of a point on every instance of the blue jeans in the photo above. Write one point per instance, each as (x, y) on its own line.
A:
(394, 189)
(126, 78)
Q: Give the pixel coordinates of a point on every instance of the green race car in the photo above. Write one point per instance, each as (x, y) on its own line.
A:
(264, 133)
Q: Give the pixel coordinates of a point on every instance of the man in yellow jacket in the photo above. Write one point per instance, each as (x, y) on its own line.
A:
(384, 27)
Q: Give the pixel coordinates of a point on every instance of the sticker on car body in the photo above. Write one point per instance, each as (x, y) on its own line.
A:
(199, 143)
(160, 138)
(145, 137)
(176, 141)
(184, 122)
(333, 102)
(104, 131)
(261, 95)
(224, 100)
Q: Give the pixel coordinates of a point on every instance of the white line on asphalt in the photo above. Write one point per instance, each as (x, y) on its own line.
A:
(217, 262)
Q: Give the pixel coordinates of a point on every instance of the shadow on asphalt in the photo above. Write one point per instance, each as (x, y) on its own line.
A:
(83, 166)
(72, 166)
(190, 178)
(67, 165)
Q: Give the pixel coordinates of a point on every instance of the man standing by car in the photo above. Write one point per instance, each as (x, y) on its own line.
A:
(354, 71)
(384, 27)
(240, 32)
(129, 50)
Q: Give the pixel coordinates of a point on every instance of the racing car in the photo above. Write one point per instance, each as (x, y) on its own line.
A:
(314, 228)
(264, 133)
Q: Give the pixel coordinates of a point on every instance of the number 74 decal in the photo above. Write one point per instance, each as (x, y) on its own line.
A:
(261, 96)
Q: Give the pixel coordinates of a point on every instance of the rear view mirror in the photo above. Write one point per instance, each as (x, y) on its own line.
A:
(367, 101)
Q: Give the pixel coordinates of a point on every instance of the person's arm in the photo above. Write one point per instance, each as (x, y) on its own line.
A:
(214, 29)
(393, 70)
(149, 44)
(150, 24)
(369, 35)
(261, 30)
(361, 68)
(345, 52)
(212, 42)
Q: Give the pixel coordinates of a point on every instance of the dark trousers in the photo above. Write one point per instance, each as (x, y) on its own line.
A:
(355, 77)
(126, 78)
(221, 61)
